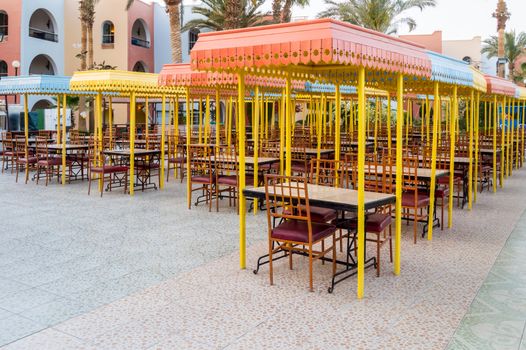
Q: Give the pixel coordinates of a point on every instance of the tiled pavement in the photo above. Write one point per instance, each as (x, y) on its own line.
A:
(187, 296)
(496, 318)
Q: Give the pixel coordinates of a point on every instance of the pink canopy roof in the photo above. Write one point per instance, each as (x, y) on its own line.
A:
(499, 86)
(183, 75)
(322, 42)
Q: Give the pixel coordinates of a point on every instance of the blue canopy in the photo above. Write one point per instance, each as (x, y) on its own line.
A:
(37, 85)
(449, 70)
(330, 88)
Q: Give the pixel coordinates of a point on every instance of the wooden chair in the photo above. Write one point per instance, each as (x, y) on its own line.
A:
(201, 172)
(99, 168)
(23, 158)
(287, 201)
(414, 200)
(176, 157)
(227, 174)
(46, 161)
(8, 151)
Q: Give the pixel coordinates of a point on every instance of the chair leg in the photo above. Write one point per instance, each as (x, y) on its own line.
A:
(415, 223)
(378, 255)
(17, 171)
(390, 245)
(310, 269)
(89, 183)
(323, 249)
(270, 266)
(27, 173)
(290, 256)
(334, 253)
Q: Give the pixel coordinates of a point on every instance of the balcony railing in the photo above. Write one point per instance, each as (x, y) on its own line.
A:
(108, 39)
(41, 34)
(140, 42)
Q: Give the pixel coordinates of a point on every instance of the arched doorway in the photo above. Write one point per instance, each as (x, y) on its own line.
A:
(3, 69)
(42, 26)
(41, 104)
(140, 66)
(4, 24)
(43, 65)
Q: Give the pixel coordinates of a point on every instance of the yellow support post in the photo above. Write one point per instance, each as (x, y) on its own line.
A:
(436, 121)
(495, 117)
(516, 135)
(200, 122)
(100, 137)
(63, 139)
(26, 132)
(146, 117)
(522, 131)
(132, 142)
(256, 135)
(58, 120)
(399, 170)
(376, 119)
(282, 134)
(428, 118)
(110, 117)
(389, 141)
(207, 119)
(241, 145)
(470, 150)
(218, 117)
(337, 127)
(502, 152)
(189, 115)
(163, 140)
(319, 127)
(476, 131)
(176, 117)
(288, 127)
(361, 182)
(407, 125)
(453, 112)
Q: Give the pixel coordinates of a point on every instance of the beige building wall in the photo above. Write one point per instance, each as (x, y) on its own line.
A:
(464, 48)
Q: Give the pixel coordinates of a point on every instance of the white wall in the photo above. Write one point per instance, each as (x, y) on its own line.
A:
(32, 47)
(163, 51)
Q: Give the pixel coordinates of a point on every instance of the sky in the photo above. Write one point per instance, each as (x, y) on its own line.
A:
(458, 19)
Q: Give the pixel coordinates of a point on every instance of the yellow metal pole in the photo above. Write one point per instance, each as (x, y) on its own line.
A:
(176, 117)
(282, 133)
(256, 141)
(110, 117)
(470, 150)
(495, 112)
(399, 170)
(453, 114)
(361, 181)
(58, 119)
(502, 132)
(26, 132)
(189, 111)
(476, 131)
(100, 137)
(522, 131)
(428, 117)
(319, 126)
(288, 126)
(163, 139)
(132, 141)
(218, 116)
(376, 120)
(207, 119)
(407, 125)
(436, 121)
(389, 141)
(64, 139)
(146, 117)
(337, 127)
(200, 125)
(516, 134)
(509, 151)
(241, 141)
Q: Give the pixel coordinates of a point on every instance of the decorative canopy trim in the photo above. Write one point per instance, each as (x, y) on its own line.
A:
(322, 43)
(183, 75)
(520, 92)
(449, 70)
(479, 80)
(499, 86)
(107, 81)
(38, 85)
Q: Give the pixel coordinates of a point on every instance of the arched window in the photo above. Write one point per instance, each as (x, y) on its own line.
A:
(4, 21)
(193, 34)
(108, 32)
(42, 65)
(3, 68)
(467, 59)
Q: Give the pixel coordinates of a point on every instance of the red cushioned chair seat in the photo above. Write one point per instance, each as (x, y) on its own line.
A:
(319, 214)
(297, 231)
(50, 162)
(376, 222)
(203, 179)
(231, 180)
(9, 153)
(444, 180)
(298, 166)
(30, 160)
(110, 169)
(177, 160)
(442, 192)
(408, 200)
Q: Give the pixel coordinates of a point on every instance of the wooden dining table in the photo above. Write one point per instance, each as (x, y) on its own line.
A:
(341, 199)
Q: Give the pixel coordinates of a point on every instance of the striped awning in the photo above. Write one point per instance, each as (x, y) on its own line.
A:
(499, 86)
(449, 70)
(38, 85)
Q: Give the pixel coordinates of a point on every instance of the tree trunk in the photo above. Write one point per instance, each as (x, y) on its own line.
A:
(175, 31)
(83, 45)
(287, 11)
(276, 11)
(232, 11)
(90, 46)
(511, 69)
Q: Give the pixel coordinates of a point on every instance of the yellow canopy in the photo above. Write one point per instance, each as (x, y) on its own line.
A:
(479, 82)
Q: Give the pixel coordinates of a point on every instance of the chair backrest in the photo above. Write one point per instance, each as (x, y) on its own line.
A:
(410, 173)
(41, 147)
(7, 141)
(327, 172)
(270, 149)
(44, 133)
(287, 198)
(225, 160)
(200, 161)
(20, 146)
(153, 142)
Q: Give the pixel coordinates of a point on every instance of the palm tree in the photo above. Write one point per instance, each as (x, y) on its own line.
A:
(87, 18)
(514, 47)
(283, 15)
(381, 15)
(214, 15)
(174, 14)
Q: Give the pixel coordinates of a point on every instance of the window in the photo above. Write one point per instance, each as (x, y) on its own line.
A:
(42, 26)
(140, 67)
(3, 69)
(3, 23)
(193, 34)
(108, 33)
(467, 59)
(140, 34)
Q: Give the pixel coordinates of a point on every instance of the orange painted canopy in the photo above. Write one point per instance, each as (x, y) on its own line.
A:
(499, 86)
(322, 43)
(183, 75)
